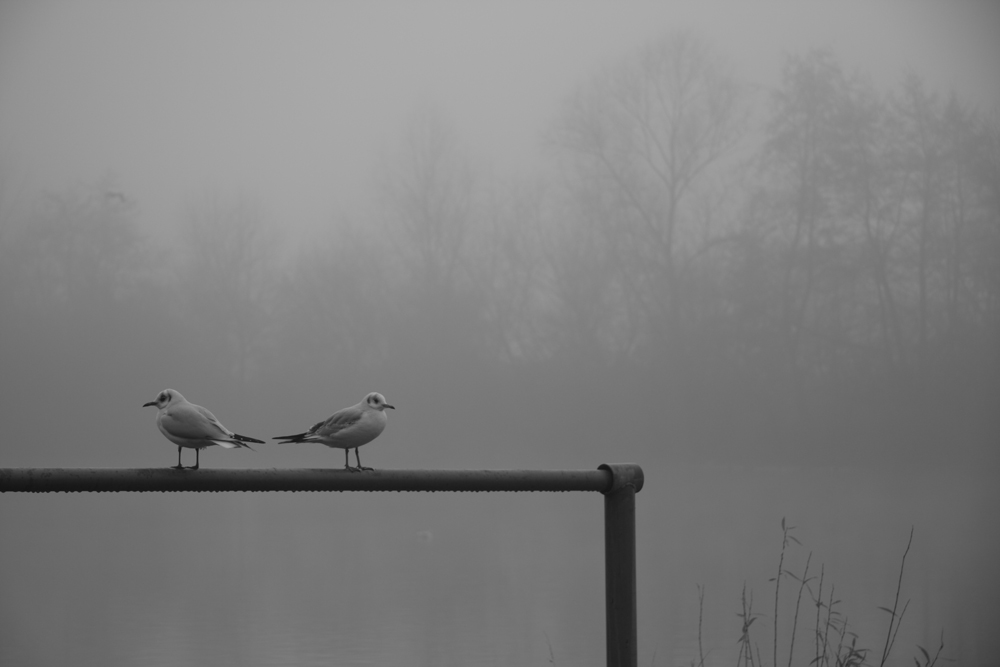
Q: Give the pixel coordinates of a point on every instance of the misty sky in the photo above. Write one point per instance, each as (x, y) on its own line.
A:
(295, 102)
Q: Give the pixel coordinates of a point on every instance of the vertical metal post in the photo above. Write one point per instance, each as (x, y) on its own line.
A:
(619, 564)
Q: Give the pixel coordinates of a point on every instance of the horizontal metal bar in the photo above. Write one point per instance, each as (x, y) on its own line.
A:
(48, 480)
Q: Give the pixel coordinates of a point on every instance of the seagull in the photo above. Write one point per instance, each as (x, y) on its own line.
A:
(189, 425)
(349, 428)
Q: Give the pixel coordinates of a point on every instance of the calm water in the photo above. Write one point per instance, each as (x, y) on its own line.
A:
(475, 579)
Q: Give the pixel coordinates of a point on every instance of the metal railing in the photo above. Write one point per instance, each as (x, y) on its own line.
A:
(618, 482)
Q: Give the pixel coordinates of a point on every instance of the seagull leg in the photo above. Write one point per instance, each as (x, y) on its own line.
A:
(356, 456)
(178, 466)
(197, 457)
(347, 461)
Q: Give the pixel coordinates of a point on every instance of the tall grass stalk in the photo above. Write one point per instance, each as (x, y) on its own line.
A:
(803, 583)
(701, 609)
(928, 661)
(835, 643)
(890, 637)
(745, 657)
(786, 535)
(818, 600)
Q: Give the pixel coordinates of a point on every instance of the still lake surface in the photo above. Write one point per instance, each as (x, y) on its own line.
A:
(493, 579)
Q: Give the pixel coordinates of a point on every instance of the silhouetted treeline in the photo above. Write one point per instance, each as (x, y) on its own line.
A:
(812, 268)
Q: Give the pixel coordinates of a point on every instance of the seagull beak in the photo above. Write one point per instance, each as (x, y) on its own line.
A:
(146, 405)
(390, 406)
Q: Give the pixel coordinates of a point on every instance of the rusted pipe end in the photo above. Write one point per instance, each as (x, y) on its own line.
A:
(622, 475)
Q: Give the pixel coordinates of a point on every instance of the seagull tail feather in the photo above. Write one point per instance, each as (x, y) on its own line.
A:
(298, 437)
(233, 444)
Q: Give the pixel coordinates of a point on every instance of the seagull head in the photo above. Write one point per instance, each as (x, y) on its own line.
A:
(164, 398)
(376, 401)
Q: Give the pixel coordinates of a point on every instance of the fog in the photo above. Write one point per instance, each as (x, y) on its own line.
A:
(754, 249)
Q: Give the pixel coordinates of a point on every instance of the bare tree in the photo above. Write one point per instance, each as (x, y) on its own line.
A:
(980, 283)
(799, 152)
(872, 193)
(13, 223)
(335, 309)
(921, 114)
(947, 218)
(971, 217)
(510, 274)
(80, 252)
(229, 278)
(429, 209)
(429, 188)
(642, 140)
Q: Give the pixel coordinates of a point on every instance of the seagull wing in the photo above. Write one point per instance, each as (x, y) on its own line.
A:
(329, 427)
(213, 420)
(338, 421)
(194, 422)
